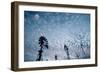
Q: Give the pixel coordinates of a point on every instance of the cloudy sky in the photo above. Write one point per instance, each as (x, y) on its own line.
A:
(59, 28)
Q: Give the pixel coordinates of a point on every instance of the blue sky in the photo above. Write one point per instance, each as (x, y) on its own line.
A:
(57, 27)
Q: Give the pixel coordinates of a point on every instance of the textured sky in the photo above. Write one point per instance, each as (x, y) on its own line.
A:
(59, 28)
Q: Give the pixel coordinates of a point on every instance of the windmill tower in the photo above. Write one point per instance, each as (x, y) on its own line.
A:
(43, 43)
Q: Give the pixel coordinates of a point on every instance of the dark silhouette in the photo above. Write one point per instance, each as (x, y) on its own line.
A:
(43, 42)
(67, 51)
(56, 57)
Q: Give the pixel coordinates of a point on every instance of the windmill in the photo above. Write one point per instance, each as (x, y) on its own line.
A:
(43, 43)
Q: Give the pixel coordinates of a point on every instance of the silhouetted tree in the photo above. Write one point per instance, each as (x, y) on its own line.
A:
(43, 42)
(67, 51)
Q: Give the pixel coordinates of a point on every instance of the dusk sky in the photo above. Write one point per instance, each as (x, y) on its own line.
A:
(59, 28)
